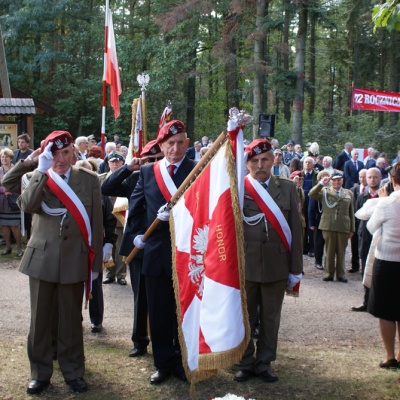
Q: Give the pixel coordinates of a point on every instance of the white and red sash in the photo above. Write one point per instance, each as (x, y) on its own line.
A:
(75, 206)
(270, 209)
(164, 181)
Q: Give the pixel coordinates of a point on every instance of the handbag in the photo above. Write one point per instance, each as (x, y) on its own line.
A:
(12, 201)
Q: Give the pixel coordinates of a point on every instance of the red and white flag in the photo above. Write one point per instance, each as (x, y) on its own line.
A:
(165, 117)
(208, 258)
(112, 70)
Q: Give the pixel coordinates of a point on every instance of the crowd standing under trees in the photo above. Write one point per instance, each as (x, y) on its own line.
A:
(296, 60)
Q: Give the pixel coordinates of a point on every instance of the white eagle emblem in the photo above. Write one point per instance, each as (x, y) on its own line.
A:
(173, 130)
(196, 267)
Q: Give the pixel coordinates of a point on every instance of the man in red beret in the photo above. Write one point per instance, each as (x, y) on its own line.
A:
(57, 255)
(157, 183)
(273, 255)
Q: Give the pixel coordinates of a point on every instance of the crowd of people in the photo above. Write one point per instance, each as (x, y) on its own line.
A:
(295, 204)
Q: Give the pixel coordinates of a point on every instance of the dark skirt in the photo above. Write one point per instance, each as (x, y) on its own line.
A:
(384, 296)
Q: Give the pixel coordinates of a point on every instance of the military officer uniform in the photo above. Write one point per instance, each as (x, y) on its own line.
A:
(56, 261)
(268, 264)
(337, 221)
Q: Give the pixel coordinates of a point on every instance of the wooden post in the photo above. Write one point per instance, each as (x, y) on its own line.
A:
(4, 82)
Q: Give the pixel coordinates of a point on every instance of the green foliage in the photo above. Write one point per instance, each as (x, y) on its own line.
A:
(387, 15)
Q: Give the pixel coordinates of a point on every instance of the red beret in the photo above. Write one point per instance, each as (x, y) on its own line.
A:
(170, 129)
(150, 149)
(256, 147)
(60, 140)
(296, 173)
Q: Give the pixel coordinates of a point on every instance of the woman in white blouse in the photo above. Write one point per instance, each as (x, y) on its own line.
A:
(384, 300)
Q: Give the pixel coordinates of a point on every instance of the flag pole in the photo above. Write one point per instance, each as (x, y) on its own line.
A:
(143, 81)
(201, 164)
(104, 97)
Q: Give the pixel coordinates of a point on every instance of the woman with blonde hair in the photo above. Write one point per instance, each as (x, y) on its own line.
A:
(384, 299)
(10, 219)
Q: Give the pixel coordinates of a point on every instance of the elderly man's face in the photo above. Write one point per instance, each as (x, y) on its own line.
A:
(326, 163)
(337, 183)
(62, 160)
(354, 155)
(175, 147)
(363, 177)
(297, 148)
(115, 164)
(308, 164)
(260, 165)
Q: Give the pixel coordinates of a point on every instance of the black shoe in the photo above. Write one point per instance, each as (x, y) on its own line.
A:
(327, 279)
(109, 280)
(135, 352)
(77, 385)
(121, 281)
(353, 270)
(391, 364)
(342, 279)
(268, 376)
(311, 254)
(159, 376)
(36, 387)
(319, 266)
(361, 308)
(6, 251)
(179, 372)
(242, 376)
(96, 328)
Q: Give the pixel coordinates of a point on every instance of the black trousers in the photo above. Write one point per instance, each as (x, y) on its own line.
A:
(319, 244)
(96, 303)
(355, 257)
(140, 336)
(163, 322)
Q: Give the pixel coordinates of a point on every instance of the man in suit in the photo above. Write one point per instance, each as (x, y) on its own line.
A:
(157, 182)
(373, 179)
(121, 183)
(356, 190)
(343, 157)
(351, 170)
(337, 222)
(57, 255)
(194, 152)
(272, 263)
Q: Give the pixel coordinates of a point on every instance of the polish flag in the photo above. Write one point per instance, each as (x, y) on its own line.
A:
(207, 242)
(112, 70)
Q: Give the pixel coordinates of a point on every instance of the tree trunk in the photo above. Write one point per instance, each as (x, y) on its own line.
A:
(394, 72)
(191, 96)
(259, 62)
(311, 108)
(286, 26)
(298, 105)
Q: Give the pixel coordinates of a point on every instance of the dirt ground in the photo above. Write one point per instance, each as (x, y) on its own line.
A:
(320, 319)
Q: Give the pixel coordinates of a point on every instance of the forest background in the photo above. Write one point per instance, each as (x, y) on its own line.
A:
(292, 58)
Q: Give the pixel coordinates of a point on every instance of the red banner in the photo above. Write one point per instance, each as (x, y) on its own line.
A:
(375, 100)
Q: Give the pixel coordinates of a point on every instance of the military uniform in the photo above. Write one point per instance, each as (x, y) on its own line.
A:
(337, 221)
(268, 264)
(56, 261)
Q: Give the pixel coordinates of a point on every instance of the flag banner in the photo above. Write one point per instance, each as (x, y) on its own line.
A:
(165, 117)
(138, 129)
(375, 100)
(208, 268)
(112, 70)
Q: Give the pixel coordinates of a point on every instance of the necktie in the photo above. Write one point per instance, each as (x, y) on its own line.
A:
(171, 169)
(355, 164)
(264, 185)
(63, 177)
(362, 189)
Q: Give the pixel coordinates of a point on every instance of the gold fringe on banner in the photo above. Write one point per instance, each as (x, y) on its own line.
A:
(210, 363)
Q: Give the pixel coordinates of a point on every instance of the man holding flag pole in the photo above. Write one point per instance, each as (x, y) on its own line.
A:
(156, 185)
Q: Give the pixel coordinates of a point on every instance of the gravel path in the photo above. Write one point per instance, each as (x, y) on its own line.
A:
(320, 315)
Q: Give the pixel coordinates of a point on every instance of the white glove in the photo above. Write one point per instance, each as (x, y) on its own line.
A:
(95, 275)
(107, 251)
(232, 125)
(45, 159)
(163, 213)
(293, 280)
(138, 242)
